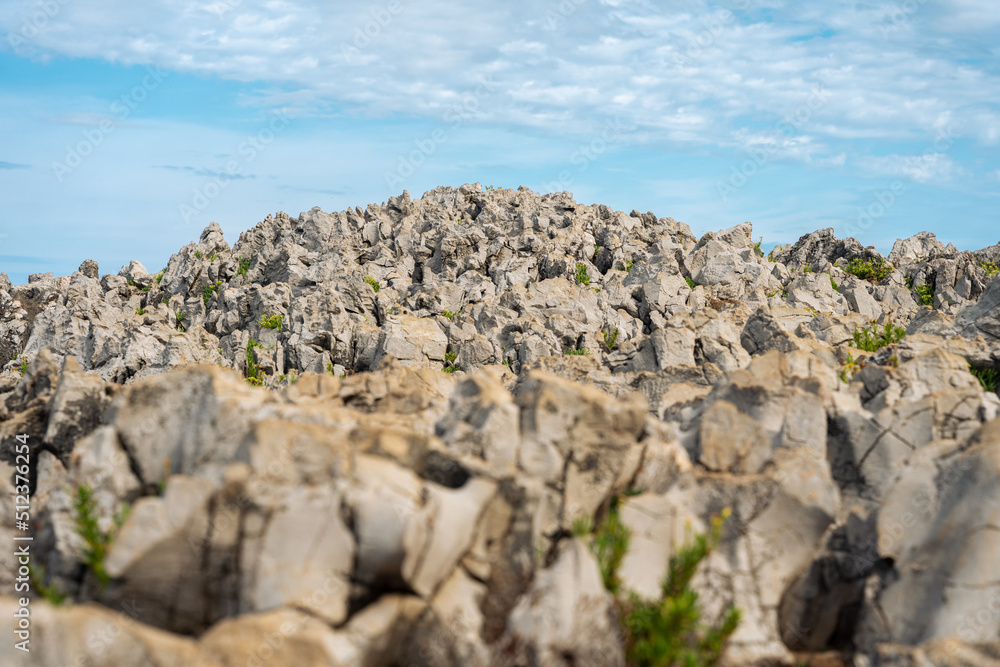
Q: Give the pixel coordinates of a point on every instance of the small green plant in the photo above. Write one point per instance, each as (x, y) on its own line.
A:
(130, 283)
(871, 339)
(50, 593)
(692, 284)
(271, 321)
(989, 378)
(848, 369)
(96, 541)
(578, 351)
(140, 311)
(450, 315)
(582, 277)
(146, 288)
(807, 269)
(197, 253)
(990, 268)
(449, 362)
(669, 630)
(374, 284)
(926, 294)
(773, 293)
(213, 257)
(834, 285)
(611, 338)
(243, 266)
(597, 251)
(872, 271)
(180, 318)
(255, 376)
(23, 367)
(756, 247)
(159, 276)
(329, 368)
(629, 263)
(206, 294)
(506, 362)
(909, 282)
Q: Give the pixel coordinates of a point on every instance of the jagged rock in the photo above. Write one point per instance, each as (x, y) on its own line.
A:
(365, 507)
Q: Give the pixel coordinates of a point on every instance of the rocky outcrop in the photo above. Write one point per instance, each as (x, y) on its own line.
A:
(450, 385)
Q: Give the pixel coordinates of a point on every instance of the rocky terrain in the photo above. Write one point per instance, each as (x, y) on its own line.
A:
(365, 438)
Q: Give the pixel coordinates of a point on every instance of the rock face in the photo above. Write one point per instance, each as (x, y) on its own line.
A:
(367, 438)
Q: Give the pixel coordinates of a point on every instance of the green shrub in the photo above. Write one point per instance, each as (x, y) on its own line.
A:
(667, 631)
(870, 339)
(197, 253)
(990, 268)
(243, 266)
(807, 269)
(96, 541)
(159, 276)
(374, 284)
(834, 285)
(872, 271)
(611, 338)
(756, 247)
(848, 369)
(255, 376)
(206, 294)
(629, 263)
(925, 293)
(271, 321)
(23, 367)
(582, 277)
(213, 257)
(989, 378)
(449, 362)
(692, 284)
(909, 282)
(50, 593)
(450, 315)
(140, 311)
(581, 351)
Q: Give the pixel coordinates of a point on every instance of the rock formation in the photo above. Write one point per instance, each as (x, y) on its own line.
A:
(365, 438)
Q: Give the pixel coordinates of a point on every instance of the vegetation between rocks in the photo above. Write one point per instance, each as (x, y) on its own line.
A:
(96, 541)
(871, 339)
(255, 376)
(582, 276)
(271, 321)
(989, 378)
(374, 284)
(669, 630)
(870, 270)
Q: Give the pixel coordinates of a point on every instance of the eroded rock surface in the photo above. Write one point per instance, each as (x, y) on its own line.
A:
(450, 385)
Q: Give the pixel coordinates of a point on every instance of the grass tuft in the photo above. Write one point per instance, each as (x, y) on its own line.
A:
(871, 339)
(374, 284)
(872, 271)
(611, 338)
(271, 321)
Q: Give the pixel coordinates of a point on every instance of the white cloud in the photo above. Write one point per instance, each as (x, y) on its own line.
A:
(695, 76)
(926, 168)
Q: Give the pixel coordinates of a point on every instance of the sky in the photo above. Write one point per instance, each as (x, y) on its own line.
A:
(128, 127)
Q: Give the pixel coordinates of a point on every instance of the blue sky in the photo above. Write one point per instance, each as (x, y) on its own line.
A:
(129, 126)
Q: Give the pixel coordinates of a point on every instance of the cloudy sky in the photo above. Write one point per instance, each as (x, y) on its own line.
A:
(129, 126)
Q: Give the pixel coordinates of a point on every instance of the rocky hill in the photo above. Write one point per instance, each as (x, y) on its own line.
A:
(370, 438)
